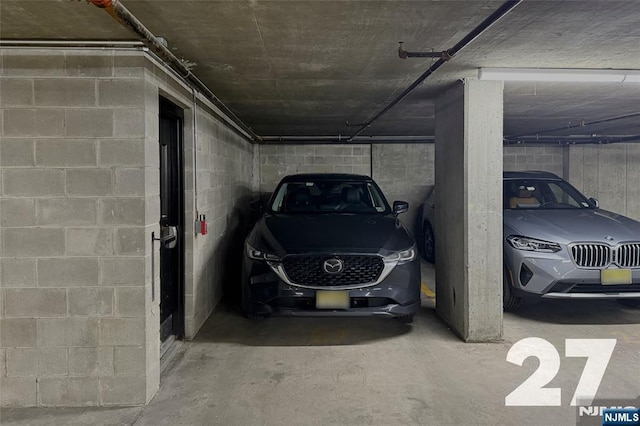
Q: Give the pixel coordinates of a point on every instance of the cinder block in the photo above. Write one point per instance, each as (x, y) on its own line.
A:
(22, 362)
(68, 391)
(18, 272)
(33, 182)
(130, 360)
(131, 241)
(15, 212)
(130, 123)
(122, 92)
(33, 242)
(130, 181)
(66, 152)
(126, 152)
(91, 361)
(67, 332)
(33, 362)
(123, 390)
(68, 272)
(122, 331)
(96, 122)
(131, 65)
(18, 391)
(89, 241)
(67, 211)
(131, 301)
(123, 271)
(121, 211)
(89, 182)
(35, 303)
(83, 65)
(33, 122)
(65, 92)
(152, 210)
(17, 333)
(53, 362)
(93, 301)
(16, 152)
(16, 92)
(37, 63)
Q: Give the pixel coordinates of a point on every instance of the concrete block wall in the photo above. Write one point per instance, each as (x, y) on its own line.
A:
(545, 158)
(610, 173)
(277, 161)
(405, 172)
(224, 164)
(75, 214)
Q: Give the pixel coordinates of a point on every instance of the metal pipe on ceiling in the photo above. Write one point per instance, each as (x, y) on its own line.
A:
(122, 15)
(335, 140)
(573, 140)
(444, 58)
(578, 125)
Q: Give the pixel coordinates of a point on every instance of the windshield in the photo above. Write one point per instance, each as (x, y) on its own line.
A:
(542, 194)
(326, 196)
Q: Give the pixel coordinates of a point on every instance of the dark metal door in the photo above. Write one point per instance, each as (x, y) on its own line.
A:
(171, 221)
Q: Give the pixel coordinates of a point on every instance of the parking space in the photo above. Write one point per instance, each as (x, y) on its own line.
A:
(360, 371)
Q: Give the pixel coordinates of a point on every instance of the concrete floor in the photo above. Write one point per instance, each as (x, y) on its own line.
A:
(361, 371)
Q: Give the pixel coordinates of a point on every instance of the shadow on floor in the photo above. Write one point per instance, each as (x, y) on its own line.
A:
(227, 325)
(578, 312)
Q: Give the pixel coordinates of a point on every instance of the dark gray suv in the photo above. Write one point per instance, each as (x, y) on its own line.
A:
(330, 244)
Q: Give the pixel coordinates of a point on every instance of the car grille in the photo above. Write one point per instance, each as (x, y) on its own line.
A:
(591, 255)
(602, 255)
(628, 255)
(594, 288)
(307, 270)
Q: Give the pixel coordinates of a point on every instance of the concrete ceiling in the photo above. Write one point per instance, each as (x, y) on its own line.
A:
(304, 67)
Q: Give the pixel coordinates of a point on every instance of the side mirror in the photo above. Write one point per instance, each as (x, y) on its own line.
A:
(400, 207)
(594, 202)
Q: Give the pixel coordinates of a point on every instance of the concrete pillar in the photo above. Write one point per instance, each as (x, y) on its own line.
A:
(468, 163)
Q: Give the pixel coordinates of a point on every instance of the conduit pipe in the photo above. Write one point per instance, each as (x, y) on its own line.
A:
(580, 125)
(121, 14)
(444, 58)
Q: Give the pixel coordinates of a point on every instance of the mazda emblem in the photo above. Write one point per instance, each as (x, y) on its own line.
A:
(333, 266)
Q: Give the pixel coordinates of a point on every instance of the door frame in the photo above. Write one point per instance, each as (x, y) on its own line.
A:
(168, 108)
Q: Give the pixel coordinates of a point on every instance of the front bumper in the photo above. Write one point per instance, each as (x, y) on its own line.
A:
(555, 276)
(397, 295)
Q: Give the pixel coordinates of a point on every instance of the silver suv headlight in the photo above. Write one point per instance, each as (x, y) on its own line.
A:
(531, 244)
(401, 256)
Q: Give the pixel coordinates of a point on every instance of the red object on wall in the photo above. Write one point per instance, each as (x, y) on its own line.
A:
(102, 3)
(203, 227)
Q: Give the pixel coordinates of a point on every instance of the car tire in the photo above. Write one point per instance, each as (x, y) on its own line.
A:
(428, 243)
(405, 319)
(509, 301)
(630, 303)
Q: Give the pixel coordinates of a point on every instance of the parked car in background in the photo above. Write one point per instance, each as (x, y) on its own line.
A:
(330, 244)
(557, 243)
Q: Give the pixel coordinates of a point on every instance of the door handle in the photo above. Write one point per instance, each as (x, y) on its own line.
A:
(168, 236)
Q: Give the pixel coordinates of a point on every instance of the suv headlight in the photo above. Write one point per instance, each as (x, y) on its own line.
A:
(401, 256)
(531, 244)
(256, 254)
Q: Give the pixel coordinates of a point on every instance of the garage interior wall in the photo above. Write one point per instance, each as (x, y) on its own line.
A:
(80, 199)
(609, 173)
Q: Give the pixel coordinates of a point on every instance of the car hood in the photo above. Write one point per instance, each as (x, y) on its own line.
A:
(570, 225)
(330, 233)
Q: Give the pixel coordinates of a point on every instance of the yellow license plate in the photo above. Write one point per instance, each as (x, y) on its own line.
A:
(332, 299)
(615, 276)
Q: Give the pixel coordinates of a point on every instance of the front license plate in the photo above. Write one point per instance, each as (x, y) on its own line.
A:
(615, 276)
(332, 299)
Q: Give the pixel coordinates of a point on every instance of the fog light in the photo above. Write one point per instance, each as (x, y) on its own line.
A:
(525, 274)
